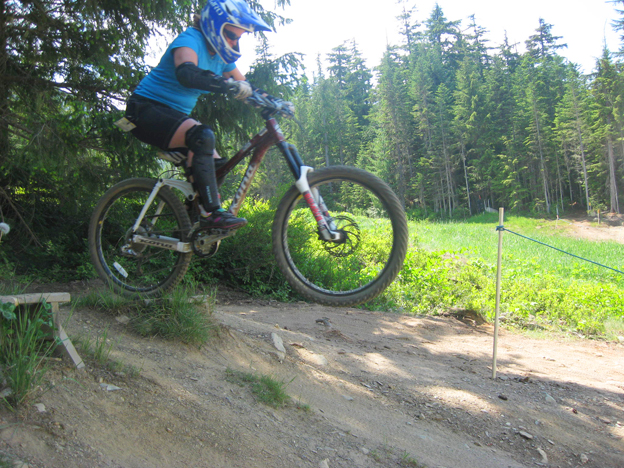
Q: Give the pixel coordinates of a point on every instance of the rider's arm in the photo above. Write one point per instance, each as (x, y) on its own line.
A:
(190, 75)
(235, 74)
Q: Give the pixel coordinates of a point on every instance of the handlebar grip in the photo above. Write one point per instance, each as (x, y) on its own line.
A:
(271, 106)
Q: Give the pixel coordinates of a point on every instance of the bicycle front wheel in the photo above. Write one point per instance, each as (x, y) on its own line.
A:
(134, 269)
(374, 238)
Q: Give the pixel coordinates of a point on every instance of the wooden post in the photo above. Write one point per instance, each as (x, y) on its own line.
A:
(501, 217)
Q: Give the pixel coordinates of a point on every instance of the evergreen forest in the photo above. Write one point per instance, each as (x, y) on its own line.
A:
(457, 124)
(453, 122)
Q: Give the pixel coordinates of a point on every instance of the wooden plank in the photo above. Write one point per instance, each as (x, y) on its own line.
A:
(10, 299)
(36, 298)
(53, 299)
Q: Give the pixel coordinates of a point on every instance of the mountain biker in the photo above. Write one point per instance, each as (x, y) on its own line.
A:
(200, 60)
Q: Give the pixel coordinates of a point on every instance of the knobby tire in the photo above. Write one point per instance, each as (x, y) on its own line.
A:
(358, 270)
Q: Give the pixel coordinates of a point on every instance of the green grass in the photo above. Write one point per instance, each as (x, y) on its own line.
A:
(104, 300)
(478, 238)
(454, 265)
(5, 462)
(408, 461)
(10, 288)
(614, 329)
(99, 350)
(25, 345)
(175, 316)
(266, 389)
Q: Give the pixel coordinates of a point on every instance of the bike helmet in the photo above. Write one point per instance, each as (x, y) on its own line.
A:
(219, 13)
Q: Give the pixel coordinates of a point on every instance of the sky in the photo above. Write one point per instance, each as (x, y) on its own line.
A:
(320, 25)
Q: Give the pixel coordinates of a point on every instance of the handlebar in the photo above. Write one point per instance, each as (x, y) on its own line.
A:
(271, 106)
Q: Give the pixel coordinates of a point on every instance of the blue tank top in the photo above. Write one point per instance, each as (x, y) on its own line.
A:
(162, 85)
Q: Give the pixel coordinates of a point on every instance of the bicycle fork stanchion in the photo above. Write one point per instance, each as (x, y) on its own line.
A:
(500, 229)
(316, 204)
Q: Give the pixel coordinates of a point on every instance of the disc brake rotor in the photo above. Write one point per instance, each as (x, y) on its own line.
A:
(349, 238)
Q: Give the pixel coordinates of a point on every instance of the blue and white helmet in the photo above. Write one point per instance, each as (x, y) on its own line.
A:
(219, 13)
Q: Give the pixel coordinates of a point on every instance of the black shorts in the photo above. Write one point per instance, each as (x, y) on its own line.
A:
(156, 123)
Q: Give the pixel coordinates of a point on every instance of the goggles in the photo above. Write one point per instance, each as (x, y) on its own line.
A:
(231, 35)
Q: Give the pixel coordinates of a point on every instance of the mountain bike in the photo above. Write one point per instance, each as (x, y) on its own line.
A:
(339, 233)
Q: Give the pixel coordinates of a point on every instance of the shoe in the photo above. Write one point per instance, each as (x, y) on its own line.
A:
(221, 219)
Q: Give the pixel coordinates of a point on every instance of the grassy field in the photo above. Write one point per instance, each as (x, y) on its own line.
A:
(478, 238)
(453, 265)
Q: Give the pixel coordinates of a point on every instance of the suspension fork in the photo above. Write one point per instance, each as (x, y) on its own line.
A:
(326, 226)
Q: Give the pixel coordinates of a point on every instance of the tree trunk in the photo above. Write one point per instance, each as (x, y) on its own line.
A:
(325, 144)
(582, 148)
(566, 159)
(4, 86)
(463, 154)
(560, 184)
(542, 163)
(613, 191)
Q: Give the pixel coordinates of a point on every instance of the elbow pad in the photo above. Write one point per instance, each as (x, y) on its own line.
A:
(191, 76)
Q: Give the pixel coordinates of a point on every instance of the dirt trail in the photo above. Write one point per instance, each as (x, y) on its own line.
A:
(383, 391)
(610, 228)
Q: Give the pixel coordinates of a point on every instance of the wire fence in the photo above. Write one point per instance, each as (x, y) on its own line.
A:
(502, 228)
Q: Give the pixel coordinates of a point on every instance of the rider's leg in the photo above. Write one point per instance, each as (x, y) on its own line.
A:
(201, 142)
(179, 140)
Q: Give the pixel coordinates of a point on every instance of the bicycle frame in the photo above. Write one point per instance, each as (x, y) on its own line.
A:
(259, 145)
(257, 148)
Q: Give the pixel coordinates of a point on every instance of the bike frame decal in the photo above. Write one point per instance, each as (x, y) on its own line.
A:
(275, 130)
(244, 186)
(163, 242)
(315, 210)
(259, 144)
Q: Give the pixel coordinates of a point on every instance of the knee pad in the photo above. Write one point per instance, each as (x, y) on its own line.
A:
(200, 140)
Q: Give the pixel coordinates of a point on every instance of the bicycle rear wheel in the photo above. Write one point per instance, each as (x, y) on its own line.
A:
(375, 237)
(138, 269)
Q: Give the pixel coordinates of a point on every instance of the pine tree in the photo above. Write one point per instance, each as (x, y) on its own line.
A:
(66, 68)
(394, 118)
(501, 171)
(468, 119)
(608, 87)
(358, 86)
(572, 130)
(541, 89)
